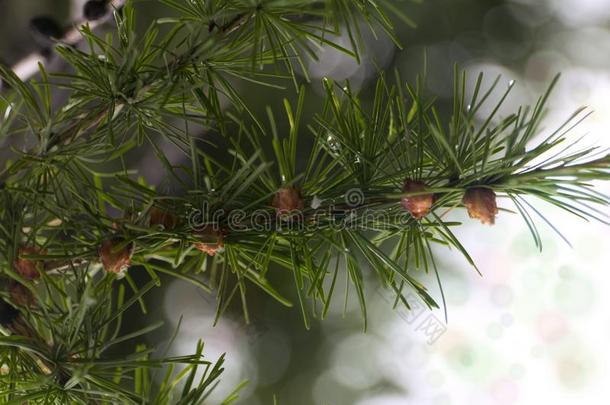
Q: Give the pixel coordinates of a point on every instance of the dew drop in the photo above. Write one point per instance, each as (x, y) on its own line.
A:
(333, 144)
(511, 83)
(7, 112)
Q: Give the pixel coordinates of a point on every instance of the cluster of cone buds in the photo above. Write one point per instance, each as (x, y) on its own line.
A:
(115, 254)
(212, 239)
(287, 200)
(479, 201)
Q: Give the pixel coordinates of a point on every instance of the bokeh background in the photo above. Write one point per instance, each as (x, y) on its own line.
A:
(534, 328)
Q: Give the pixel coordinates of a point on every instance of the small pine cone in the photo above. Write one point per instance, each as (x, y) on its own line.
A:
(28, 268)
(481, 204)
(115, 260)
(215, 237)
(163, 218)
(287, 200)
(418, 205)
(21, 295)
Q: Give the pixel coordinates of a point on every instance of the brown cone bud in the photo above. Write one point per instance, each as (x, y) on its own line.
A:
(215, 238)
(481, 204)
(163, 218)
(28, 268)
(287, 200)
(418, 205)
(115, 260)
(21, 295)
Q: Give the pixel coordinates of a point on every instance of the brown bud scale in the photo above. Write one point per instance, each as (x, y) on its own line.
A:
(287, 200)
(28, 268)
(215, 237)
(115, 260)
(417, 205)
(163, 218)
(21, 295)
(481, 204)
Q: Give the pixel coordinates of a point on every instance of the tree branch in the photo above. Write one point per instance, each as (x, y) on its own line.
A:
(28, 66)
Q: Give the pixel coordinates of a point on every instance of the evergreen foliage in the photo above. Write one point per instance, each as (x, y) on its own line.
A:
(74, 211)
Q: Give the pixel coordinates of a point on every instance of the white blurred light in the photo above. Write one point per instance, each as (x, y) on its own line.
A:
(337, 65)
(518, 94)
(387, 400)
(581, 12)
(183, 299)
(532, 13)
(354, 364)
